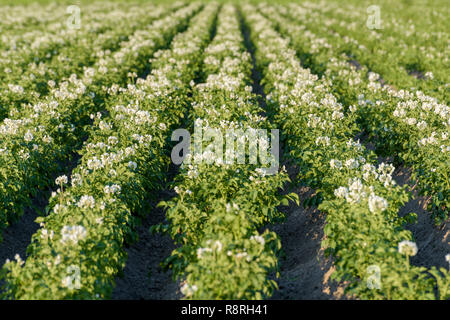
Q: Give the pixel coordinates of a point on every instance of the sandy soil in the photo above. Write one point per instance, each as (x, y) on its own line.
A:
(304, 271)
(433, 241)
(17, 236)
(143, 276)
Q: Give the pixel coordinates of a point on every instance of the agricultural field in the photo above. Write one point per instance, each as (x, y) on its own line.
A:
(225, 150)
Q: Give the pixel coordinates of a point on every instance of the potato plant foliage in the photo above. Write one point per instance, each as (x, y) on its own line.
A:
(89, 104)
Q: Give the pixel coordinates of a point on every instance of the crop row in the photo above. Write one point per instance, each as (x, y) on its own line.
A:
(410, 126)
(221, 202)
(363, 231)
(42, 42)
(30, 85)
(16, 19)
(98, 93)
(406, 62)
(35, 146)
(91, 219)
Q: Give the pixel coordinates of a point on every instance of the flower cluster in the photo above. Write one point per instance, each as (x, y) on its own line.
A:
(93, 217)
(43, 133)
(398, 119)
(363, 226)
(223, 254)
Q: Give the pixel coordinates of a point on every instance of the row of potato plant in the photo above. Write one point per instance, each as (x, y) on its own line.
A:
(30, 85)
(402, 61)
(35, 146)
(20, 17)
(92, 218)
(17, 19)
(221, 204)
(410, 126)
(363, 233)
(42, 42)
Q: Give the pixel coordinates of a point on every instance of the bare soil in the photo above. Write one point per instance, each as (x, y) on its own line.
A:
(17, 236)
(143, 276)
(305, 272)
(433, 241)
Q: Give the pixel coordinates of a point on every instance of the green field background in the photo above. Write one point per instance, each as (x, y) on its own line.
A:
(412, 9)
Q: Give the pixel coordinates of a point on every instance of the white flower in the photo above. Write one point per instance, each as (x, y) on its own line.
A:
(61, 180)
(28, 136)
(76, 179)
(45, 234)
(132, 165)
(351, 163)
(112, 189)
(47, 139)
(377, 203)
(104, 126)
(373, 76)
(188, 290)
(94, 163)
(354, 193)
(217, 245)
(200, 252)
(130, 151)
(16, 88)
(241, 255)
(337, 115)
(112, 140)
(258, 239)
(335, 164)
(341, 192)
(24, 155)
(407, 248)
(323, 140)
(73, 234)
(86, 202)
(19, 259)
(411, 121)
(422, 125)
